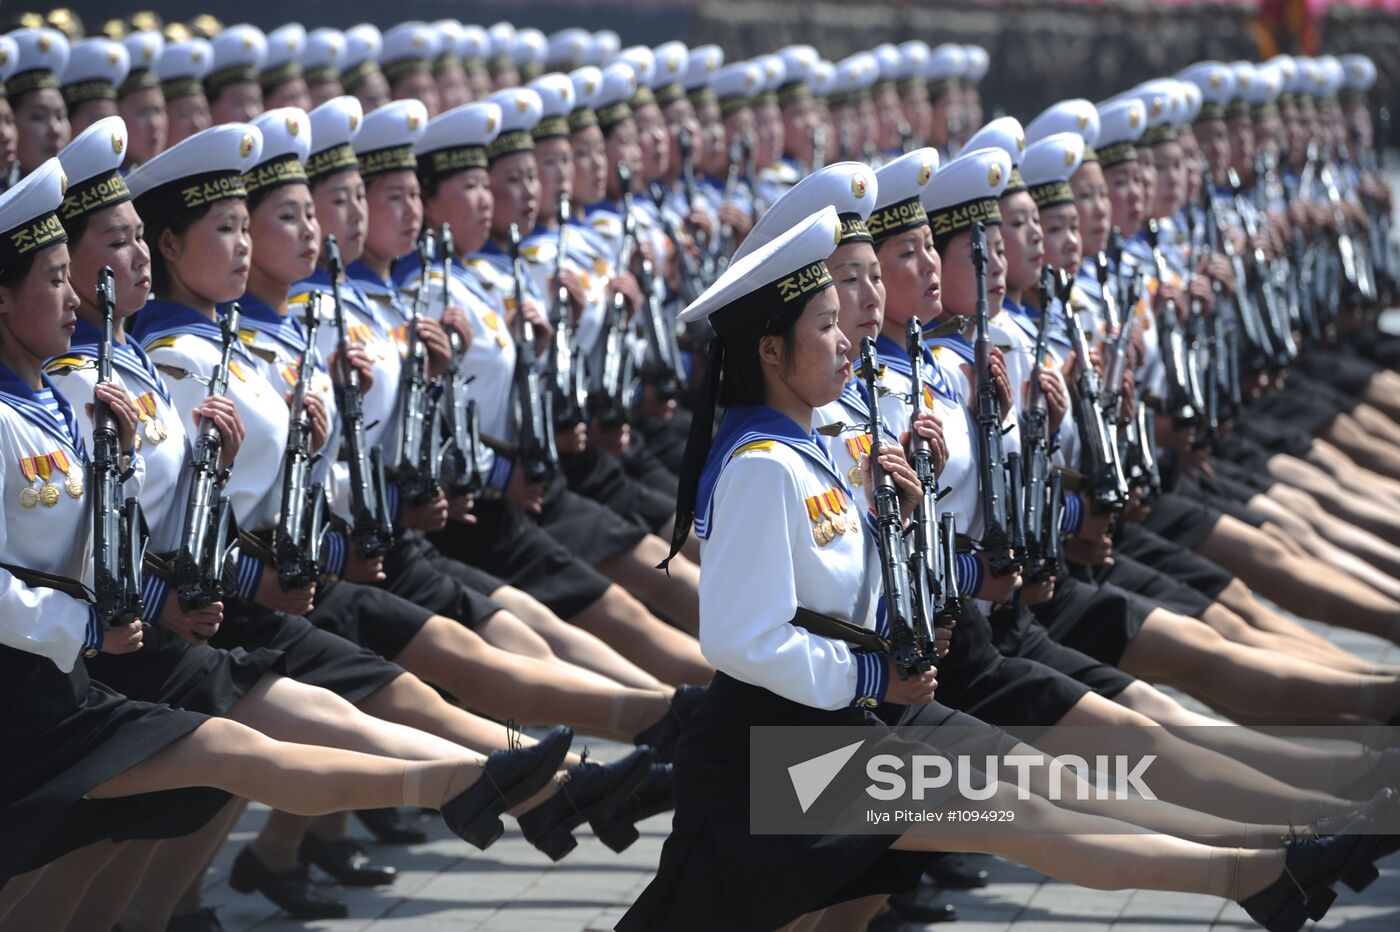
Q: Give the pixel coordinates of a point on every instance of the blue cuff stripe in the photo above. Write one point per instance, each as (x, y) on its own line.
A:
(969, 574)
(1073, 518)
(334, 555)
(872, 678)
(870, 524)
(93, 635)
(882, 617)
(393, 502)
(250, 572)
(154, 594)
(501, 471)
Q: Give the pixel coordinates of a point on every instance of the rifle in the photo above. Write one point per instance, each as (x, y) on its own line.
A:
(737, 157)
(690, 272)
(751, 178)
(686, 146)
(925, 559)
(206, 565)
(1276, 327)
(1103, 477)
(418, 470)
(118, 544)
(371, 527)
(301, 523)
(1035, 440)
(1260, 352)
(563, 366)
(608, 399)
(1170, 341)
(996, 540)
(535, 424)
(818, 148)
(662, 366)
(911, 655)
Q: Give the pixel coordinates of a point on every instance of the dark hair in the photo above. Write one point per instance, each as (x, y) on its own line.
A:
(742, 381)
(327, 176)
(160, 276)
(12, 275)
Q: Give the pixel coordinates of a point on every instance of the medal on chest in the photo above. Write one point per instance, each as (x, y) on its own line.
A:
(827, 512)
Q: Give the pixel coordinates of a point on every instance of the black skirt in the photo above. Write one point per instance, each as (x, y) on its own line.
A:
(1098, 621)
(603, 478)
(375, 619)
(1020, 635)
(1343, 369)
(61, 737)
(309, 654)
(415, 574)
(1152, 584)
(665, 440)
(1178, 563)
(1181, 519)
(589, 530)
(508, 543)
(415, 545)
(714, 874)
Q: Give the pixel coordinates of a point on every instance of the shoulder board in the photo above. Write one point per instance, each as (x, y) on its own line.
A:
(162, 343)
(761, 445)
(303, 298)
(248, 337)
(539, 253)
(63, 365)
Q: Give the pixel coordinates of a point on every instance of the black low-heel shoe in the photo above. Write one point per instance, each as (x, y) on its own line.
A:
(291, 890)
(588, 790)
(665, 735)
(508, 779)
(391, 826)
(1304, 890)
(347, 863)
(1379, 812)
(655, 794)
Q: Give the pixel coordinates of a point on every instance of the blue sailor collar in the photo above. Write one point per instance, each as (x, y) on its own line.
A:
(604, 206)
(28, 404)
(1029, 319)
(159, 319)
(128, 357)
(892, 354)
(259, 316)
(854, 398)
(744, 424)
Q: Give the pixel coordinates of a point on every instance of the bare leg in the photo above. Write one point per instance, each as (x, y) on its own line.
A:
(850, 915)
(676, 595)
(1306, 587)
(1259, 685)
(1383, 391)
(690, 549)
(111, 890)
(1235, 629)
(175, 866)
(1340, 501)
(1240, 599)
(52, 901)
(1360, 542)
(502, 684)
(17, 889)
(1362, 447)
(670, 655)
(568, 642)
(1293, 530)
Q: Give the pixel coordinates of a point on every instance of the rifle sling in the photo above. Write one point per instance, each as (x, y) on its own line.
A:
(838, 630)
(37, 578)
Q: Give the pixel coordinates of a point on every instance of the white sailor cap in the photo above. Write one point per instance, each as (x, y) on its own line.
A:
(700, 66)
(902, 187)
(1075, 115)
(889, 61)
(1003, 133)
(92, 162)
(285, 46)
(965, 191)
(334, 126)
(611, 102)
(95, 68)
(1264, 89)
(774, 74)
(502, 36)
(822, 79)
(321, 58)
(9, 58)
(1216, 82)
(1121, 125)
(203, 169)
(668, 80)
(854, 75)
(587, 81)
(28, 213)
(473, 45)
(1192, 101)
(530, 50)
(798, 61)
(569, 48)
(1238, 105)
(40, 57)
(1334, 74)
(606, 44)
(978, 62)
(182, 67)
(849, 187)
(409, 48)
(557, 99)
(286, 145)
(449, 38)
(239, 52)
(1048, 165)
(736, 85)
(913, 58)
(1360, 74)
(1164, 102)
(363, 45)
(946, 65)
(1312, 81)
(1288, 67)
(387, 136)
(766, 282)
(456, 141)
(142, 51)
(520, 112)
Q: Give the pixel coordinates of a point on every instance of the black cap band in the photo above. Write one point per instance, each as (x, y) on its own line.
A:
(20, 241)
(275, 172)
(582, 118)
(948, 222)
(32, 80)
(138, 79)
(83, 91)
(273, 78)
(1117, 153)
(1051, 194)
(332, 160)
(394, 158)
(95, 193)
(436, 165)
(613, 114)
(161, 206)
(351, 77)
(232, 74)
(896, 218)
(517, 140)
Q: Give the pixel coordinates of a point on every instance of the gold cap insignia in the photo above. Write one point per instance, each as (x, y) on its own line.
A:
(1083, 120)
(148, 53)
(1134, 118)
(748, 79)
(925, 173)
(247, 42)
(858, 186)
(673, 63)
(245, 145)
(1215, 79)
(417, 40)
(112, 56)
(291, 43)
(1020, 142)
(413, 122)
(837, 235)
(44, 43)
(491, 124)
(590, 87)
(354, 122)
(293, 126)
(4, 56)
(710, 65)
(993, 175)
(197, 55)
(118, 144)
(62, 181)
(1156, 106)
(333, 45)
(520, 103)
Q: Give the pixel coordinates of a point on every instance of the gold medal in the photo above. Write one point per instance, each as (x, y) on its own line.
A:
(853, 474)
(839, 523)
(819, 535)
(28, 497)
(828, 530)
(73, 485)
(154, 431)
(49, 495)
